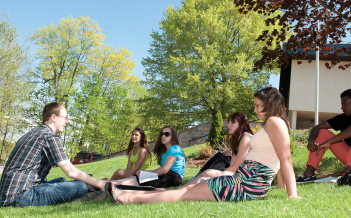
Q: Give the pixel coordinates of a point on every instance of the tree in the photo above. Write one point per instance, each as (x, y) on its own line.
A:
(96, 80)
(201, 61)
(155, 114)
(103, 111)
(14, 86)
(302, 17)
(63, 52)
(215, 135)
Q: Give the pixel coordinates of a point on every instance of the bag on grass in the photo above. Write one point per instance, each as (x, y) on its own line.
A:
(345, 179)
(138, 188)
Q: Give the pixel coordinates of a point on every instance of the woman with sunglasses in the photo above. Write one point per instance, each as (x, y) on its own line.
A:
(238, 138)
(170, 157)
(269, 153)
(139, 156)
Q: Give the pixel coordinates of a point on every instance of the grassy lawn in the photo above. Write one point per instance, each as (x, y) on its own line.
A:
(322, 200)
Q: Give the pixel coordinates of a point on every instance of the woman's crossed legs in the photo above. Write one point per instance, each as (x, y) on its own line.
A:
(196, 192)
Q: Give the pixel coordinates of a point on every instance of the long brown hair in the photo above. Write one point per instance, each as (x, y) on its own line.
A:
(234, 139)
(273, 104)
(160, 148)
(143, 142)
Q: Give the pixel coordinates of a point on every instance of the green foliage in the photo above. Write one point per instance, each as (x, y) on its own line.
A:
(215, 135)
(201, 61)
(14, 87)
(94, 82)
(155, 114)
(63, 54)
(300, 135)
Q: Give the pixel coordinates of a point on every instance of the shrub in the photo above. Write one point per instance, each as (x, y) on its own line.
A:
(256, 129)
(205, 151)
(215, 134)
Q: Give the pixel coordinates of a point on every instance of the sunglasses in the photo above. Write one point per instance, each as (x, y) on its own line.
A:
(167, 134)
(261, 92)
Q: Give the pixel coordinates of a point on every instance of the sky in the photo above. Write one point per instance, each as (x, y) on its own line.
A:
(126, 23)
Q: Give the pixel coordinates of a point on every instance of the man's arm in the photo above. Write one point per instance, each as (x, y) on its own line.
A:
(77, 174)
(312, 146)
(341, 136)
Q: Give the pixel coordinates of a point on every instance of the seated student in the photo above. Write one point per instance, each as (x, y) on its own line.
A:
(321, 139)
(170, 157)
(269, 152)
(23, 181)
(139, 156)
(238, 137)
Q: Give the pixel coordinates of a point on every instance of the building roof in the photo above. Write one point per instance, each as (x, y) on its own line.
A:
(311, 55)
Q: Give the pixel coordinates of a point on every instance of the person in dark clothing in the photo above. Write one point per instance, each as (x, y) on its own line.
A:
(322, 139)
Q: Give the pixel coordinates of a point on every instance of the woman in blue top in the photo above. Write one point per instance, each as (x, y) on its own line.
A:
(171, 158)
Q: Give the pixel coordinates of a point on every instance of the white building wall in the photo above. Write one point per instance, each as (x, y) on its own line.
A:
(331, 84)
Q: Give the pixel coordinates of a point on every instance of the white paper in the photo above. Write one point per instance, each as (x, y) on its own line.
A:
(146, 176)
(328, 179)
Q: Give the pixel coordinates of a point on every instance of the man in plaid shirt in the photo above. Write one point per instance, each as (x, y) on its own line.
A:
(23, 182)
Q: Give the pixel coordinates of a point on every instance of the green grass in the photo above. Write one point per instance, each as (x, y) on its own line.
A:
(330, 165)
(322, 200)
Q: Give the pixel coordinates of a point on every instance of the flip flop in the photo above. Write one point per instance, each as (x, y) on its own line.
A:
(108, 190)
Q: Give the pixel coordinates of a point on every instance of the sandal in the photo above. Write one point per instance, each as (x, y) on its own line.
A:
(108, 191)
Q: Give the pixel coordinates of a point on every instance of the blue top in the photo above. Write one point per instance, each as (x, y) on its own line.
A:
(179, 164)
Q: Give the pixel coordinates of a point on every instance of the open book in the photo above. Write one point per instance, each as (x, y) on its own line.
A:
(146, 176)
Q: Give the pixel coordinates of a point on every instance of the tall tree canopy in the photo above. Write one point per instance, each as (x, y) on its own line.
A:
(104, 110)
(92, 79)
(63, 52)
(302, 17)
(201, 62)
(14, 87)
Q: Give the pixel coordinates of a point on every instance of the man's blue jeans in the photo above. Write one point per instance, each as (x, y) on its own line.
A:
(55, 191)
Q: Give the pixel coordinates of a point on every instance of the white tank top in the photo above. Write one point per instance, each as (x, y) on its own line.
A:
(262, 151)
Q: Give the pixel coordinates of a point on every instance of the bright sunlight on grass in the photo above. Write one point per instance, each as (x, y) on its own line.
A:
(322, 200)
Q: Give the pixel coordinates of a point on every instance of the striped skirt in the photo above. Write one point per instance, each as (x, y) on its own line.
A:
(252, 180)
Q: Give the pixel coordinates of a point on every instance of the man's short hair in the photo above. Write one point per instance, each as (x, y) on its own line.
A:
(50, 109)
(346, 93)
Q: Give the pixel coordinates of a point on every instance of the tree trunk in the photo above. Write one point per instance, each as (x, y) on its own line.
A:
(81, 141)
(3, 142)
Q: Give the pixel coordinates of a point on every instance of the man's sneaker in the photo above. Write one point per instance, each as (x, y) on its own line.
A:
(304, 179)
(344, 179)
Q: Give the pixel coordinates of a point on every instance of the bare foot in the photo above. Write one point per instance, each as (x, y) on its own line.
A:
(107, 179)
(294, 197)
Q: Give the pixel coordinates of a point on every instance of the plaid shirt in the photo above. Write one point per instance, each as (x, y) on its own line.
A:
(30, 162)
